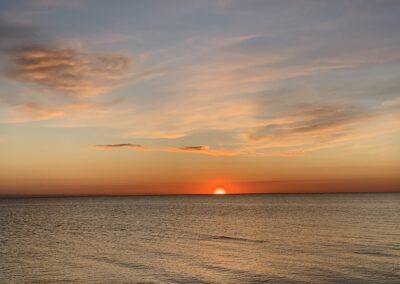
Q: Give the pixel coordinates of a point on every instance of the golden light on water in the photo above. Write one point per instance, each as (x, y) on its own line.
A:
(219, 191)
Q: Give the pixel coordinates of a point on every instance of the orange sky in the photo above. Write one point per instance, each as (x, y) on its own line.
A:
(256, 97)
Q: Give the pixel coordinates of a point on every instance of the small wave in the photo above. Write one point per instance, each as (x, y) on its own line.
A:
(374, 253)
(118, 263)
(226, 238)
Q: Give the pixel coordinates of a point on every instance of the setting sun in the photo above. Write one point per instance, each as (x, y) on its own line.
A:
(219, 191)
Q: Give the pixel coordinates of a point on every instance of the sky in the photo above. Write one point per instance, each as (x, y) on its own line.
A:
(181, 97)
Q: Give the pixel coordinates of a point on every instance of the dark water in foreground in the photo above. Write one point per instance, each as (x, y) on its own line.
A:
(331, 238)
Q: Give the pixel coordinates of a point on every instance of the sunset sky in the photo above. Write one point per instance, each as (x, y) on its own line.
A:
(150, 97)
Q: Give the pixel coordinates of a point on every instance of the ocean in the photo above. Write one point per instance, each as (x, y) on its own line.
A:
(276, 238)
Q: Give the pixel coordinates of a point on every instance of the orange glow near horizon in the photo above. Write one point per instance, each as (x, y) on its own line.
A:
(219, 191)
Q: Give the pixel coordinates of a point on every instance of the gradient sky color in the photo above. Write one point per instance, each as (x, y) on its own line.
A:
(155, 97)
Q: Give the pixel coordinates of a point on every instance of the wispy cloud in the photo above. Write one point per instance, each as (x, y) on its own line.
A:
(233, 82)
(30, 56)
(123, 145)
(318, 123)
(194, 148)
(68, 70)
(39, 112)
(185, 149)
(63, 76)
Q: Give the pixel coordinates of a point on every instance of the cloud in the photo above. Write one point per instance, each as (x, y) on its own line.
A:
(185, 149)
(206, 150)
(30, 56)
(194, 148)
(316, 122)
(321, 128)
(69, 70)
(39, 112)
(30, 111)
(23, 107)
(68, 76)
(123, 145)
(250, 69)
(309, 130)
(222, 83)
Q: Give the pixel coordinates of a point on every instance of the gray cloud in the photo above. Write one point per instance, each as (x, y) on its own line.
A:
(194, 148)
(68, 70)
(31, 57)
(123, 145)
(317, 125)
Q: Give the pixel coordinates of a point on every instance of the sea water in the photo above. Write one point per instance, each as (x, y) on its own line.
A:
(299, 238)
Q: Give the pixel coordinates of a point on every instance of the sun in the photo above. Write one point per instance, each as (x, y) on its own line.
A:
(219, 191)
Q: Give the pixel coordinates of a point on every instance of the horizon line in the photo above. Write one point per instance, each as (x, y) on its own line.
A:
(29, 196)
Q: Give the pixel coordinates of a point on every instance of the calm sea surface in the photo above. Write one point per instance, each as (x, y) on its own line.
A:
(327, 238)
